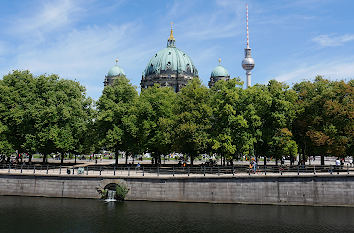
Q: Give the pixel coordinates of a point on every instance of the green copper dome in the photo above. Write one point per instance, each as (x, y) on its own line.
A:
(169, 67)
(170, 59)
(219, 71)
(115, 71)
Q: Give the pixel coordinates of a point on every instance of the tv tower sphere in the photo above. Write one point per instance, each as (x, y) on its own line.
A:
(248, 62)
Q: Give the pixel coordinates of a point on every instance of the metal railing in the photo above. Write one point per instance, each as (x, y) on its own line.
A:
(173, 170)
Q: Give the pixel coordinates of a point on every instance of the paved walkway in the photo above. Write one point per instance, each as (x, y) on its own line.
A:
(140, 173)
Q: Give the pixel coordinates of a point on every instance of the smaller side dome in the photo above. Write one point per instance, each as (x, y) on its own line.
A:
(217, 74)
(115, 71)
(219, 71)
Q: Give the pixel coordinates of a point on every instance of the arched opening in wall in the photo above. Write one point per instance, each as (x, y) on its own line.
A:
(114, 191)
(111, 186)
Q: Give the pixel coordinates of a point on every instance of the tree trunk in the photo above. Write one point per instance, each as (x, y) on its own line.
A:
(276, 161)
(322, 160)
(303, 155)
(192, 159)
(29, 158)
(116, 153)
(44, 159)
(62, 158)
(75, 158)
(291, 160)
(265, 160)
(126, 158)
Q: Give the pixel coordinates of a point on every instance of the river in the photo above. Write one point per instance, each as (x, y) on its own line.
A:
(39, 214)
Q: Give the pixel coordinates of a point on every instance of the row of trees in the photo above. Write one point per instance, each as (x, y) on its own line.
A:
(46, 114)
(43, 114)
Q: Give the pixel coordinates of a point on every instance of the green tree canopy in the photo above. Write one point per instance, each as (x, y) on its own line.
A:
(229, 127)
(277, 111)
(325, 125)
(44, 114)
(192, 123)
(160, 119)
(115, 123)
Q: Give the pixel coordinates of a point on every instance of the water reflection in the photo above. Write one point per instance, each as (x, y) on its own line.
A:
(31, 214)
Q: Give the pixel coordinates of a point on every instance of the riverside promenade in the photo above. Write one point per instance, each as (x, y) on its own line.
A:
(321, 186)
(106, 168)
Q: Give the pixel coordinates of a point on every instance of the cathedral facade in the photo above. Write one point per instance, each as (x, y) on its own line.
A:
(169, 67)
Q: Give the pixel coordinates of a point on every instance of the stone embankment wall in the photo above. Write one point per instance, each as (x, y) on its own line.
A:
(289, 190)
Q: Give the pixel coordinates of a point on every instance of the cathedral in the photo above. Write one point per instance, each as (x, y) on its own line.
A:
(169, 67)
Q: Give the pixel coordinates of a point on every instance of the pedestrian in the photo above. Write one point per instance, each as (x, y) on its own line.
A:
(337, 163)
(254, 166)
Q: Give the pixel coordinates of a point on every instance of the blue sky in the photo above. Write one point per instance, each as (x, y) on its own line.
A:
(80, 39)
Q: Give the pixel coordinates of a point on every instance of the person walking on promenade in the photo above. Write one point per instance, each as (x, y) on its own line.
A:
(337, 163)
(254, 166)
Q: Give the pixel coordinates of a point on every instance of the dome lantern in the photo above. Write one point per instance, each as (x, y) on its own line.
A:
(171, 40)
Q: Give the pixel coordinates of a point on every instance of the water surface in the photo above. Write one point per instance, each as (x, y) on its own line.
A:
(39, 214)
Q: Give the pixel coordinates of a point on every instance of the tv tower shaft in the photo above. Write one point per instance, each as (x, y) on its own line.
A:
(248, 62)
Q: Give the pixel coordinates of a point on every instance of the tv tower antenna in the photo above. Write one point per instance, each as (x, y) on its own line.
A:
(248, 62)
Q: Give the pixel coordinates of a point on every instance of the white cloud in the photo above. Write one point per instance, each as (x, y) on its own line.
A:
(49, 16)
(333, 70)
(86, 55)
(330, 41)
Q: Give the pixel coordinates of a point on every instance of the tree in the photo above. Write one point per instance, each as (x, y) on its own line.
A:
(192, 123)
(158, 119)
(252, 105)
(282, 144)
(43, 114)
(5, 146)
(229, 127)
(62, 113)
(278, 112)
(325, 125)
(114, 124)
(16, 110)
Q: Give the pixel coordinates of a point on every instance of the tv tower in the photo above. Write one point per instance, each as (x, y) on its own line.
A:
(248, 62)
